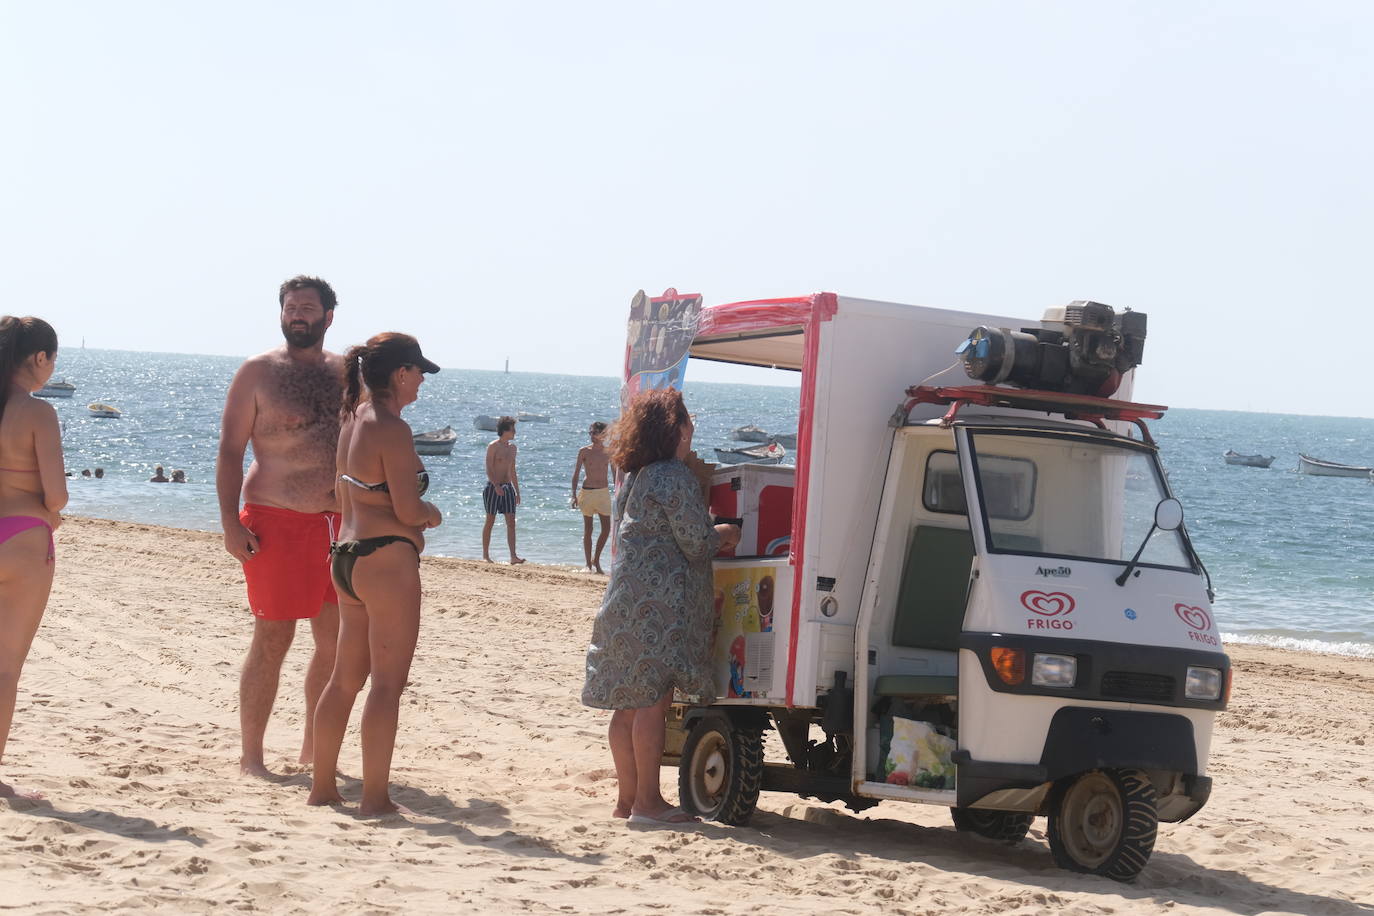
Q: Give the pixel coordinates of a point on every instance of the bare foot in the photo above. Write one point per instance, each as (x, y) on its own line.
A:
(389, 807)
(324, 797)
(256, 769)
(514, 561)
(622, 811)
(599, 571)
(9, 791)
(489, 559)
(666, 815)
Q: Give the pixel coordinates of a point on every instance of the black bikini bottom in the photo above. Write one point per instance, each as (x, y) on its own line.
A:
(343, 554)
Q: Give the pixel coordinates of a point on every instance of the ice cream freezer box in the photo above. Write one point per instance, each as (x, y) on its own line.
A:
(753, 601)
(760, 496)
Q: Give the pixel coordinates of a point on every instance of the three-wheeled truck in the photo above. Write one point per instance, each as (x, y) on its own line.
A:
(978, 596)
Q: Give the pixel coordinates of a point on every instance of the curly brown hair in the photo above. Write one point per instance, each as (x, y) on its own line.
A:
(648, 430)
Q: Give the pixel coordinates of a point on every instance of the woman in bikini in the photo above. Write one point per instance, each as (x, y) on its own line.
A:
(375, 562)
(33, 489)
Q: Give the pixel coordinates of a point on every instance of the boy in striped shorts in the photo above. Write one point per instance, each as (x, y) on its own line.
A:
(502, 493)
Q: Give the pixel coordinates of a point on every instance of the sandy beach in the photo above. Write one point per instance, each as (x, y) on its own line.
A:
(127, 720)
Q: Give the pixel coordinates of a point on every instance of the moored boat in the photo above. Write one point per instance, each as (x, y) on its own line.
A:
(1320, 468)
(62, 389)
(99, 409)
(748, 434)
(1249, 461)
(488, 423)
(786, 440)
(435, 442)
(771, 453)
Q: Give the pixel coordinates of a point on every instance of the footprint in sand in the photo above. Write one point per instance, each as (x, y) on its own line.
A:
(192, 866)
(124, 771)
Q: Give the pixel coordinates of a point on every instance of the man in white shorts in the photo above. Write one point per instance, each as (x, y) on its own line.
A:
(594, 497)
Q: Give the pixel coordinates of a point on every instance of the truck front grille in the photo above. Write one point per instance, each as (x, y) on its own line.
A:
(1130, 685)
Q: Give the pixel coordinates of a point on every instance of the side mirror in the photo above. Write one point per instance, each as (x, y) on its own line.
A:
(1169, 514)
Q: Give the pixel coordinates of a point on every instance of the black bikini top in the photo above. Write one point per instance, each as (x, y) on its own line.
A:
(421, 483)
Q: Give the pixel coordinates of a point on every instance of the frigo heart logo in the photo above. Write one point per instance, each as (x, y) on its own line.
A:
(1047, 604)
(1195, 617)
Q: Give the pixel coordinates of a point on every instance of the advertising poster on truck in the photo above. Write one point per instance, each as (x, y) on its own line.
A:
(744, 601)
(661, 329)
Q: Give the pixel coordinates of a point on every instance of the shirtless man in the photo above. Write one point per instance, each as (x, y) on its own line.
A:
(595, 499)
(285, 402)
(502, 493)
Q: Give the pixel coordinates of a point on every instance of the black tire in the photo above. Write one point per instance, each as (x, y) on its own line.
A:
(1008, 827)
(1104, 822)
(721, 771)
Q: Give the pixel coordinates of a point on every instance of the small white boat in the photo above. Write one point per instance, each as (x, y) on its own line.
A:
(99, 409)
(435, 442)
(771, 453)
(1249, 461)
(1319, 468)
(63, 389)
(482, 421)
(748, 434)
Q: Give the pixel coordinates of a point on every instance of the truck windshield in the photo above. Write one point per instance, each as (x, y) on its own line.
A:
(1071, 496)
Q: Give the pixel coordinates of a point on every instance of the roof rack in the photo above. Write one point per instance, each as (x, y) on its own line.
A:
(1073, 406)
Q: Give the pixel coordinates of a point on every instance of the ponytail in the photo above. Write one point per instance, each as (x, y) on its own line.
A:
(372, 363)
(352, 377)
(20, 338)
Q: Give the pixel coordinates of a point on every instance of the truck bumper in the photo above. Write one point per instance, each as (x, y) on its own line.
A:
(1088, 738)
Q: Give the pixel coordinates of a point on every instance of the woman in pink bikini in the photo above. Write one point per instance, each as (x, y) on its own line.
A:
(33, 489)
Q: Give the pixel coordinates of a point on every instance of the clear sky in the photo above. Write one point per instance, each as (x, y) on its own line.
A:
(500, 178)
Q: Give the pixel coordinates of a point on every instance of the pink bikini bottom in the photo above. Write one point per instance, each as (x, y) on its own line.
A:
(18, 524)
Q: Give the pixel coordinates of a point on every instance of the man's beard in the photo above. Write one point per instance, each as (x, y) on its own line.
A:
(303, 338)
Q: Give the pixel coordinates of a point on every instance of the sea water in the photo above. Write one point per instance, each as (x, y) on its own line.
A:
(1289, 554)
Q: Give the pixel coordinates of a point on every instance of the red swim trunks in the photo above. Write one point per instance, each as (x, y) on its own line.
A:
(288, 578)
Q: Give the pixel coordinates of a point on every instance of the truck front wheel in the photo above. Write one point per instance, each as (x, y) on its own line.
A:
(1104, 822)
(721, 771)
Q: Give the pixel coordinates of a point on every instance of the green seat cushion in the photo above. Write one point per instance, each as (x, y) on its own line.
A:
(911, 685)
(930, 601)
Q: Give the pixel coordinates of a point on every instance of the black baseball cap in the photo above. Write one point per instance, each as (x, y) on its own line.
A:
(412, 356)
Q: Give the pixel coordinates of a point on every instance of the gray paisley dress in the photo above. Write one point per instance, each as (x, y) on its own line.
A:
(654, 628)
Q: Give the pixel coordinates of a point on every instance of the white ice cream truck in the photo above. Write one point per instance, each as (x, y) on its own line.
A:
(979, 596)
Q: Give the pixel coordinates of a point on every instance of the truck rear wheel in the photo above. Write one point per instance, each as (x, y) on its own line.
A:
(721, 771)
(1104, 822)
(1008, 827)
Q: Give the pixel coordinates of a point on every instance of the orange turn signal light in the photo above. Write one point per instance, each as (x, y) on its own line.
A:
(1010, 665)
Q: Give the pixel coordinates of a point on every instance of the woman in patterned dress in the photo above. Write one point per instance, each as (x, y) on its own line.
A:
(653, 632)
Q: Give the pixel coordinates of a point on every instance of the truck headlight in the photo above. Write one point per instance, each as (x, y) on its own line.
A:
(1054, 670)
(1203, 684)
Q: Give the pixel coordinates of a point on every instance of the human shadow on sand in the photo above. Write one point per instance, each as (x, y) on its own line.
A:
(1170, 879)
(446, 819)
(135, 828)
(451, 821)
